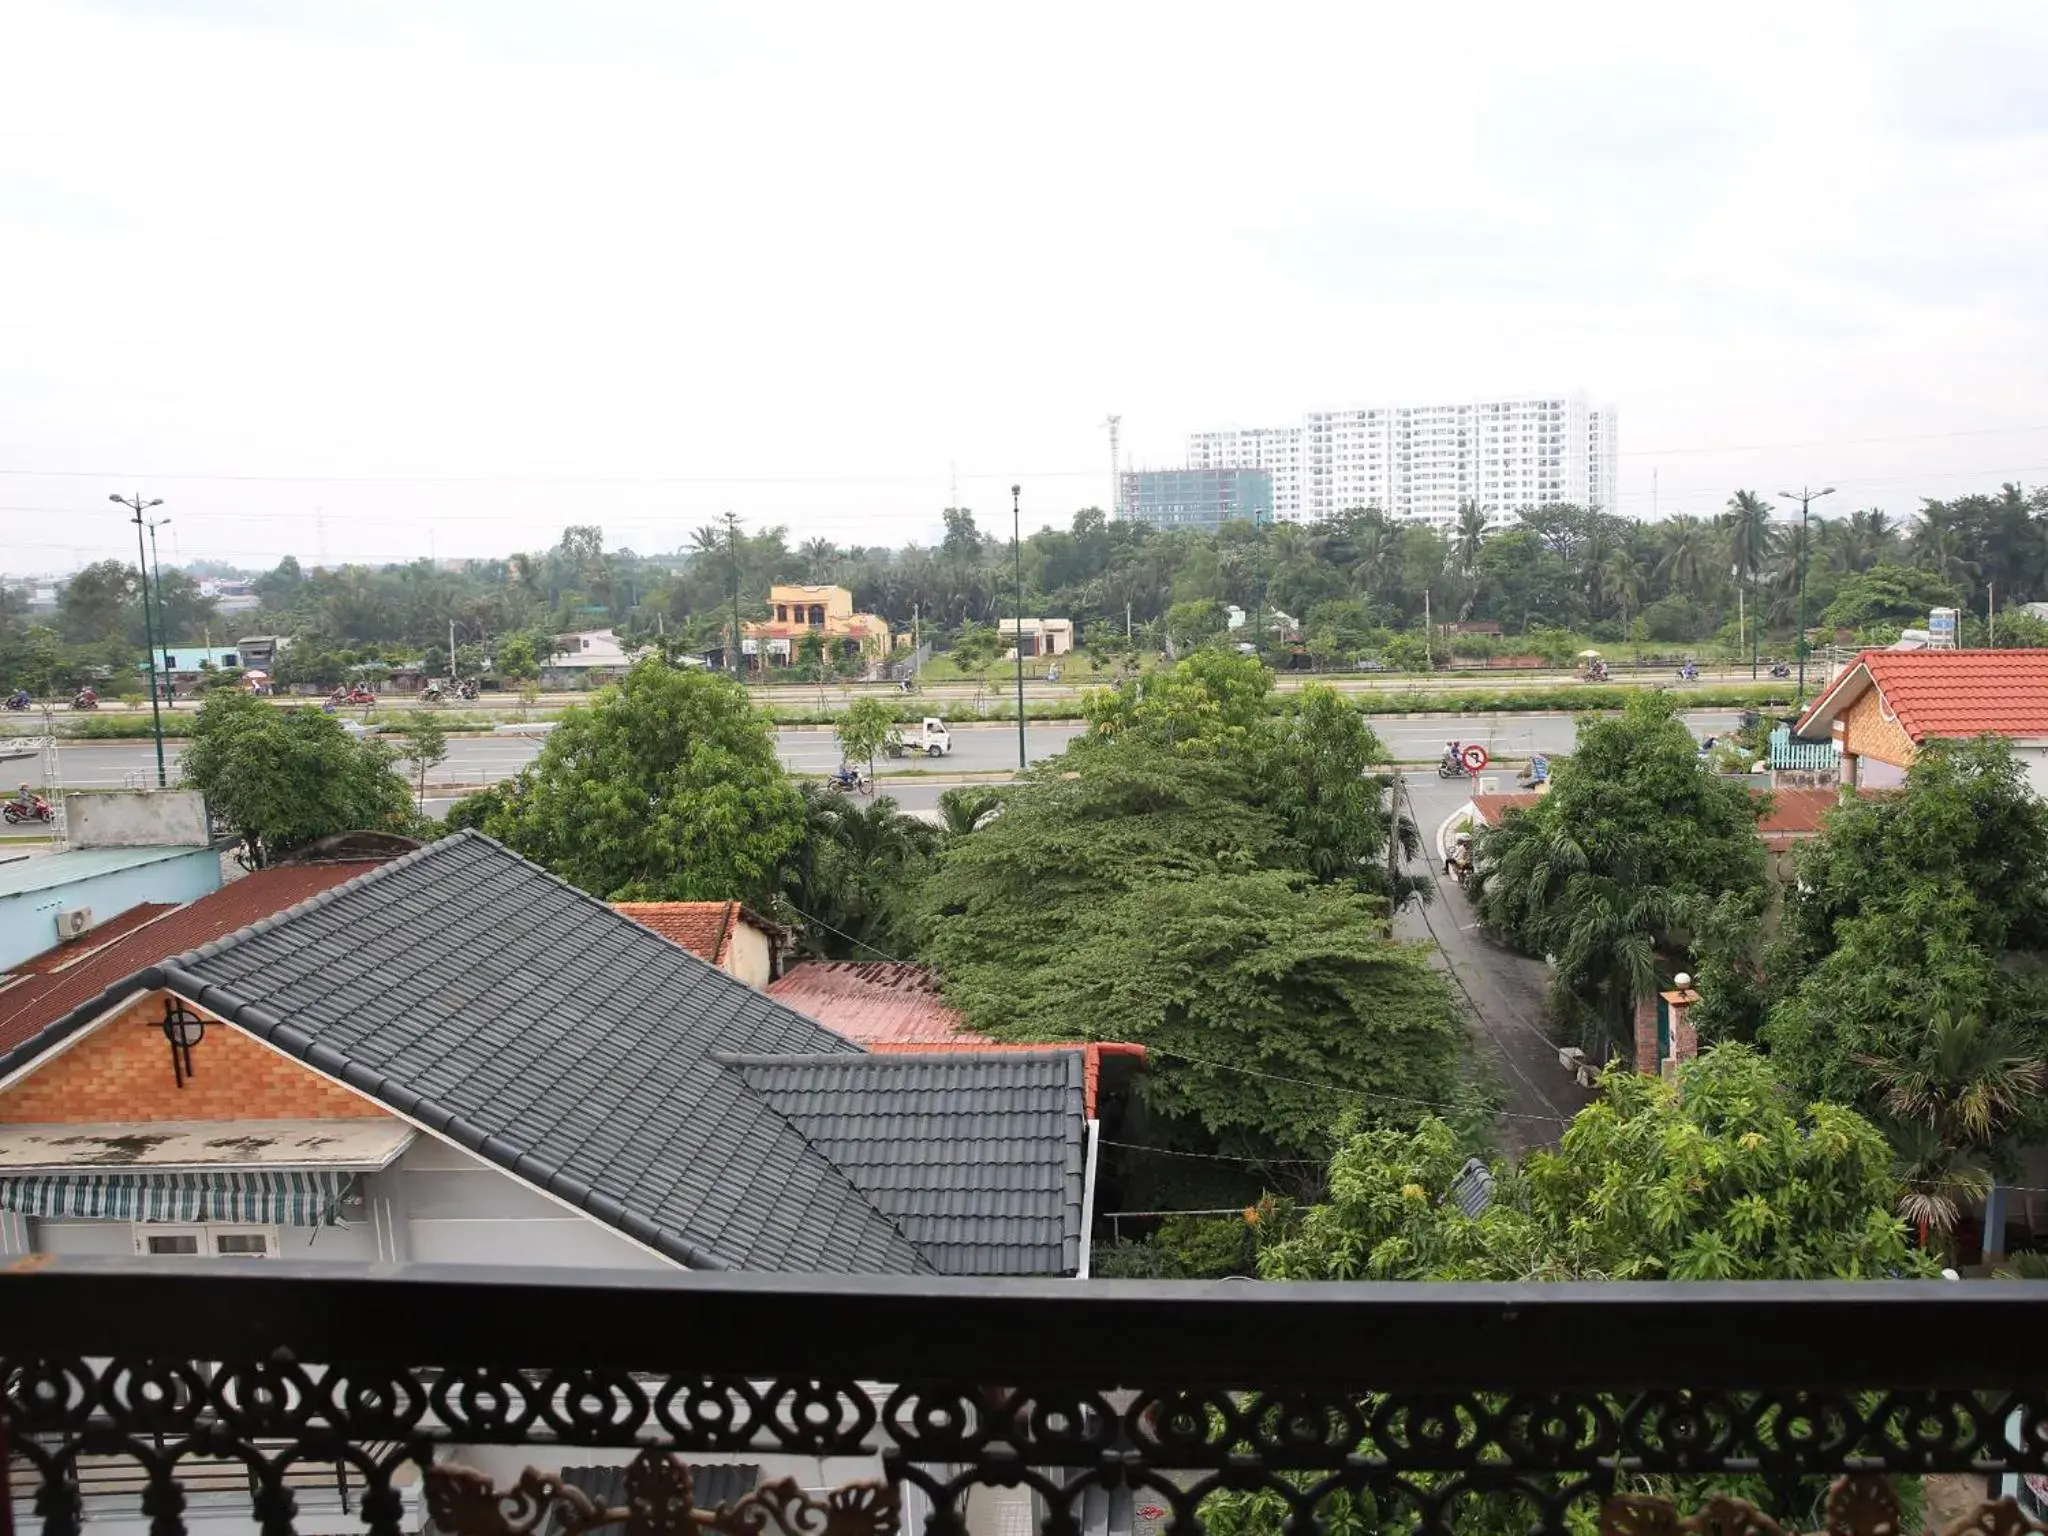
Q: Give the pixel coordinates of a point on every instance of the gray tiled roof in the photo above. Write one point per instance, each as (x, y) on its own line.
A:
(979, 1159)
(528, 1022)
(478, 994)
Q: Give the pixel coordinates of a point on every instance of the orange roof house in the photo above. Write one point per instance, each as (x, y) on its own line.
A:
(1885, 705)
(735, 938)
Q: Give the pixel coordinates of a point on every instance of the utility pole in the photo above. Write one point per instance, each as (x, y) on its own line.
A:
(1017, 544)
(451, 650)
(137, 505)
(1806, 499)
(1991, 615)
(916, 642)
(156, 574)
(732, 552)
(1428, 649)
(1393, 842)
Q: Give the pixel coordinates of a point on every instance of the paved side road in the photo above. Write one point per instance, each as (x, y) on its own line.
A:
(1503, 992)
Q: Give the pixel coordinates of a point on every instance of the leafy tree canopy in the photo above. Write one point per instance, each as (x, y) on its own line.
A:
(283, 778)
(1719, 1175)
(665, 787)
(1911, 944)
(1626, 854)
(1210, 879)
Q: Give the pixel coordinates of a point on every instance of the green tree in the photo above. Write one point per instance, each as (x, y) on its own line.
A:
(97, 603)
(1715, 1176)
(1906, 977)
(853, 884)
(665, 787)
(965, 807)
(1271, 1005)
(424, 744)
(283, 778)
(863, 729)
(516, 659)
(1192, 623)
(1209, 878)
(1633, 844)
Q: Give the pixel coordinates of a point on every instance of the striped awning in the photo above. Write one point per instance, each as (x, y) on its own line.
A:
(296, 1198)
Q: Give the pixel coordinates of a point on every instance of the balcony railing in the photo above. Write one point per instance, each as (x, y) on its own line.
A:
(1104, 1407)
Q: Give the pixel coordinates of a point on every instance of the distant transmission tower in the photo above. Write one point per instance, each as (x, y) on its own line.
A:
(1116, 479)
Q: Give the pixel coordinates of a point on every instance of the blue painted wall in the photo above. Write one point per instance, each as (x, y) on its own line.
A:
(28, 919)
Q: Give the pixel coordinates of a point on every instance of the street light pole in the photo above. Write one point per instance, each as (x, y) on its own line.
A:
(1806, 499)
(1017, 544)
(163, 625)
(138, 506)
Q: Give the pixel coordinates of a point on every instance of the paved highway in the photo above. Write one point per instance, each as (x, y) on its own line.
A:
(976, 749)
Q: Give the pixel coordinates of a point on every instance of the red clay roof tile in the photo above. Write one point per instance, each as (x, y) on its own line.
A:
(704, 928)
(60, 979)
(1961, 693)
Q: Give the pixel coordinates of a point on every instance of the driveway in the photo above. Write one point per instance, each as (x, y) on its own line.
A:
(1503, 992)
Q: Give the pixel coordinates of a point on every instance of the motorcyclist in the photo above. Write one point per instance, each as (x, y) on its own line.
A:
(1454, 754)
(27, 804)
(86, 698)
(18, 699)
(1458, 862)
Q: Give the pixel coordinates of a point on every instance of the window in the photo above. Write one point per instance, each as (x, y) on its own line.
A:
(220, 1240)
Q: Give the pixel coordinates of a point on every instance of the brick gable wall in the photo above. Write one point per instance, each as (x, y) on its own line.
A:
(122, 1072)
(1867, 733)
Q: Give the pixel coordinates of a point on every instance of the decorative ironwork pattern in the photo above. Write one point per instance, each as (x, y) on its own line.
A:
(659, 1502)
(1262, 1417)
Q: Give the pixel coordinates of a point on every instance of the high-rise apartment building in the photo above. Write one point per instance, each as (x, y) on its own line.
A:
(1202, 499)
(1424, 461)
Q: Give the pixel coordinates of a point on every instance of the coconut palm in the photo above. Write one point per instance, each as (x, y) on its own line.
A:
(964, 808)
(1688, 556)
(1751, 535)
(1470, 534)
(820, 559)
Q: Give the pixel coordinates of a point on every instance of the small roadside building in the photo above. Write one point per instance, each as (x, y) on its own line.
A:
(1885, 705)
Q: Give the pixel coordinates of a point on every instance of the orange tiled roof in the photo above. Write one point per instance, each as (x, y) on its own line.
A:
(704, 928)
(1951, 693)
(1491, 808)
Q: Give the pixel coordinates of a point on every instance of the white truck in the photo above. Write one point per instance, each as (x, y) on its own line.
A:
(931, 738)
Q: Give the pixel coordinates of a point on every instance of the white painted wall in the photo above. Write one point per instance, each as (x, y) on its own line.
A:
(435, 1205)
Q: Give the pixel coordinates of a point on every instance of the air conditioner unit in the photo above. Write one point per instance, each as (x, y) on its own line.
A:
(73, 922)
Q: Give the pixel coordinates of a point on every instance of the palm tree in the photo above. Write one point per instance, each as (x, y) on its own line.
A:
(1621, 575)
(820, 559)
(1687, 557)
(1470, 534)
(1747, 523)
(854, 871)
(964, 808)
(1948, 1098)
(1940, 548)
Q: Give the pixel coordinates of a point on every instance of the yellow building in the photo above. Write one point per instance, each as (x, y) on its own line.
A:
(795, 611)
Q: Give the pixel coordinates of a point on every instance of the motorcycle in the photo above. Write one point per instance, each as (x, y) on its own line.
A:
(1688, 673)
(466, 689)
(432, 694)
(85, 699)
(1779, 669)
(19, 699)
(1462, 762)
(851, 781)
(360, 695)
(34, 808)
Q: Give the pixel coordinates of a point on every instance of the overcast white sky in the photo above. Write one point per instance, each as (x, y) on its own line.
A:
(375, 280)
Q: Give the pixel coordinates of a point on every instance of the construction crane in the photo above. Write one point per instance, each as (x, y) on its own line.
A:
(1116, 479)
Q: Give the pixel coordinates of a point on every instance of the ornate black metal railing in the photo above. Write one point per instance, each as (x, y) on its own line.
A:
(1093, 1409)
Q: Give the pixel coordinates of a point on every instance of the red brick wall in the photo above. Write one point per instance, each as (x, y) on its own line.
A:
(122, 1072)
